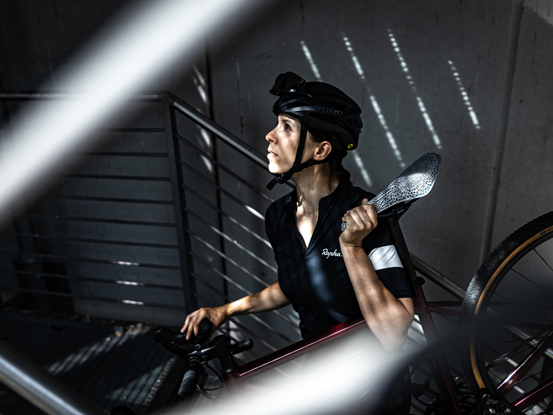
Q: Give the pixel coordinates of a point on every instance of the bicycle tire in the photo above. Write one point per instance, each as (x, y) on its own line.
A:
(522, 262)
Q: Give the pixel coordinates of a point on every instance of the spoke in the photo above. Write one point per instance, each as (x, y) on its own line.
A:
(529, 280)
(508, 299)
(544, 261)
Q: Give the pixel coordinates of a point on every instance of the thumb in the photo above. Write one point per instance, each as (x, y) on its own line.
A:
(365, 201)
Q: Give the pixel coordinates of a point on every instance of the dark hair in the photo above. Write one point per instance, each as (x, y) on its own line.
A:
(334, 158)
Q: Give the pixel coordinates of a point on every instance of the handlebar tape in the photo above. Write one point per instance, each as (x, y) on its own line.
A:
(188, 384)
(244, 345)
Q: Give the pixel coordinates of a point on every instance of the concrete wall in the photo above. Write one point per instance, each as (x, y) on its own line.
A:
(467, 79)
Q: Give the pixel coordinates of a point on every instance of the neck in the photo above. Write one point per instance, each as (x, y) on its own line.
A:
(312, 184)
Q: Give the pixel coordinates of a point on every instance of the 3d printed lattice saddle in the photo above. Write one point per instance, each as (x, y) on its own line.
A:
(415, 182)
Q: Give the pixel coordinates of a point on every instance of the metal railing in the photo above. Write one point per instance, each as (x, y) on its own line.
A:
(208, 240)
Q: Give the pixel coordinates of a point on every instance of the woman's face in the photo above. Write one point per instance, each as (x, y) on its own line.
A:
(283, 143)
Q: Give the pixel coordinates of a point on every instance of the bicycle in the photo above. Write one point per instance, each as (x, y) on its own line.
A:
(494, 382)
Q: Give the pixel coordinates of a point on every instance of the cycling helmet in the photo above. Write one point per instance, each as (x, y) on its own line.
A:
(320, 107)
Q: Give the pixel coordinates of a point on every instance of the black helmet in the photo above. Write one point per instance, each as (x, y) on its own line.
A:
(320, 107)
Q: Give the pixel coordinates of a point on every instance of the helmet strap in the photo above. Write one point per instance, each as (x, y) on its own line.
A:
(297, 166)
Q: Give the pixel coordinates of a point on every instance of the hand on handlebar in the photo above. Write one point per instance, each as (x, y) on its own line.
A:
(217, 315)
(361, 220)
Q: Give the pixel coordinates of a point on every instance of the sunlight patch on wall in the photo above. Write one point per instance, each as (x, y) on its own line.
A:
(362, 168)
(389, 135)
(420, 102)
(377, 110)
(465, 96)
(199, 81)
(310, 60)
(354, 58)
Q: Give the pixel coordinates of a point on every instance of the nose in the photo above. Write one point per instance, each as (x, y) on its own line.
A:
(270, 136)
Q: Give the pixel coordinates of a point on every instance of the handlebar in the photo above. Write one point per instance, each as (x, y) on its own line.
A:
(198, 351)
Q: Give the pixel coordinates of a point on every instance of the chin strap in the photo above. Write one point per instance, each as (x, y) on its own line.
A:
(298, 165)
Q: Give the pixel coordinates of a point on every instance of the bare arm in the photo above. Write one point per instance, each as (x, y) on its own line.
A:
(388, 317)
(268, 299)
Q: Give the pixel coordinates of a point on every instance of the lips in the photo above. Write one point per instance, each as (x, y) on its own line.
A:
(271, 153)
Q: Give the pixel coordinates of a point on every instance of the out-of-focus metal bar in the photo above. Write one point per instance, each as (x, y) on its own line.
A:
(108, 199)
(39, 387)
(437, 278)
(94, 241)
(63, 96)
(102, 220)
(92, 279)
(122, 154)
(100, 130)
(225, 169)
(179, 203)
(100, 261)
(220, 132)
(115, 177)
(130, 130)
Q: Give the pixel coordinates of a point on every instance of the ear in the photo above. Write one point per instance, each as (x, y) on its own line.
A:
(322, 150)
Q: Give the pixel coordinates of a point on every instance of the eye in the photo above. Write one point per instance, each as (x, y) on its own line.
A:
(287, 126)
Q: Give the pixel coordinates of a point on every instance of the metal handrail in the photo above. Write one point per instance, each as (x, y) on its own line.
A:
(219, 131)
(225, 169)
(230, 240)
(219, 188)
(227, 216)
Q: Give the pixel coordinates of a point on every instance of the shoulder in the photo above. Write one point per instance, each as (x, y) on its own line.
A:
(354, 195)
(278, 208)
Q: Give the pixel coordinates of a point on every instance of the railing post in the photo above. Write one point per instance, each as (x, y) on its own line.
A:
(179, 202)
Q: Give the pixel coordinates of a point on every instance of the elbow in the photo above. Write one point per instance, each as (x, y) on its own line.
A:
(393, 343)
(392, 334)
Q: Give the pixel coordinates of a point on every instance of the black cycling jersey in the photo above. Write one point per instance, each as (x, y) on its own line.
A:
(314, 278)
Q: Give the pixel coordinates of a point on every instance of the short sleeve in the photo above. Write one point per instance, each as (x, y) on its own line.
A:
(382, 252)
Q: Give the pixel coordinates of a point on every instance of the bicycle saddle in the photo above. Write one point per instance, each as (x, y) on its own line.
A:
(415, 182)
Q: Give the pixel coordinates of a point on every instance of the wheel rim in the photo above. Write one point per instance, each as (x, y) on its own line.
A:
(541, 241)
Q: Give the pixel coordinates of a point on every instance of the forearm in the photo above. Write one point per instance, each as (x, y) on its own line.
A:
(268, 299)
(387, 317)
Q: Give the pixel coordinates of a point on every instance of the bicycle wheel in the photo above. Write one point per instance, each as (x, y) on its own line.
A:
(513, 355)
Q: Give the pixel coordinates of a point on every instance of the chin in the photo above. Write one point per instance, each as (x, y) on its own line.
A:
(274, 169)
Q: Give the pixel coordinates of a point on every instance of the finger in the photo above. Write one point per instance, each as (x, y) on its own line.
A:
(365, 218)
(344, 218)
(355, 221)
(185, 325)
(364, 201)
(190, 330)
(373, 215)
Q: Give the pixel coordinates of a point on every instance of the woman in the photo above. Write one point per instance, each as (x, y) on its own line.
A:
(327, 275)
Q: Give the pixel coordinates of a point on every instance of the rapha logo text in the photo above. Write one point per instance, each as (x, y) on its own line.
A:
(328, 253)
